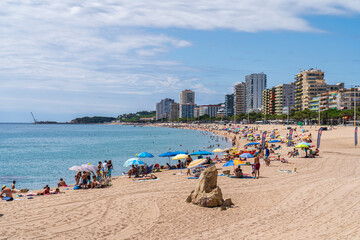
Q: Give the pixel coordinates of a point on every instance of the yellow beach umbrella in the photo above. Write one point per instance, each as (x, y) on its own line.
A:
(238, 162)
(180, 156)
(196, 163)
(218, 150)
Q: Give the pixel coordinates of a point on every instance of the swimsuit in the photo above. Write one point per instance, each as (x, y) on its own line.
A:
(257, 166)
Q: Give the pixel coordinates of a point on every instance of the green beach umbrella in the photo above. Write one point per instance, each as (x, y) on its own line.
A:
(301, 145)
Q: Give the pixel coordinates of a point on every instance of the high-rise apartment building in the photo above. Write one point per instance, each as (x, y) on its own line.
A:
(341, 99)
(268, 99)
(163, 108)
(187, 97)
(284, 98)
(308, 84)
(187, 104)
(229, 105)
(210, 110)
(240, 98)
(174, 111)
(255, 85)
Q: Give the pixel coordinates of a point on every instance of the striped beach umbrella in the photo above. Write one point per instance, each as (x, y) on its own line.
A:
(196, 163)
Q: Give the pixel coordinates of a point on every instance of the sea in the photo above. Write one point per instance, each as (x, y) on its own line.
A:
(35, 155)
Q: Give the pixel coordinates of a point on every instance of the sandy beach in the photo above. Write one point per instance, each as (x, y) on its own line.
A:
(320, 201)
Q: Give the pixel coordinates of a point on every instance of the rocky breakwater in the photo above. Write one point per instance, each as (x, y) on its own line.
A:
(207, 193)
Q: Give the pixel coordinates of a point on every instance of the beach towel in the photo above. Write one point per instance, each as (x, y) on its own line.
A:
(193, 178)
(145, 180)
(244, 176)
(287, 171)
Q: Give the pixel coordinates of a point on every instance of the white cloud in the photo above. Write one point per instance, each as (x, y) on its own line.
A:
(109, 46)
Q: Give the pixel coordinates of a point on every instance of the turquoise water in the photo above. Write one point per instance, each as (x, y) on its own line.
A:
(36, 155)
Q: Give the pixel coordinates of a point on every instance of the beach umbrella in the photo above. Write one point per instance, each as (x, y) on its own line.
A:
(233, 162)
(180, 156)
(274, 141)
(202, 153)
(252, 143)
(168, 154)
(246, 155)
(302, 146)
(305, 143)
(180, 152)
(88, 168)
(218, 150)
(133, 161)
(75, 168)
(145, 155)
(196, 163)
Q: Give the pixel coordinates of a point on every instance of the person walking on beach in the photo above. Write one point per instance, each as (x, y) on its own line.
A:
(188, 161)
(257, 167)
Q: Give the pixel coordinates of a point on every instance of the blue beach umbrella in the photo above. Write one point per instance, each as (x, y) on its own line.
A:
(202, 153)
(145, 155)
(133, 161)
(168, 154)
(274, 141)
(252, 143)
(246, 155)
(180, 152)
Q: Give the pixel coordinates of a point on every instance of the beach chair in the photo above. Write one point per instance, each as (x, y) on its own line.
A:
(149, 169)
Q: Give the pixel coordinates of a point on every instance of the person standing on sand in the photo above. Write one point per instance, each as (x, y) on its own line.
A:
(99, 167)
(77, 177)
(105, 169)
(257, 167)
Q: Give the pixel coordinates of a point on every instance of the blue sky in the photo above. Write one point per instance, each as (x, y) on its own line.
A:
(62, 60)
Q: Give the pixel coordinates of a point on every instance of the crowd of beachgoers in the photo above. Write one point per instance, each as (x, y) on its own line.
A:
(255, 152)
(92, 177)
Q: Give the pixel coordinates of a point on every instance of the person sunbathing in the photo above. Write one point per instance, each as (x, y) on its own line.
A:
(62, 183)
(151, 177)
(45, 192)
(8, 193)
(57, 190)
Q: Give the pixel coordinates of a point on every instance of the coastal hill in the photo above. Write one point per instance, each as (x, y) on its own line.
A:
(128, 117)
(95, 119)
